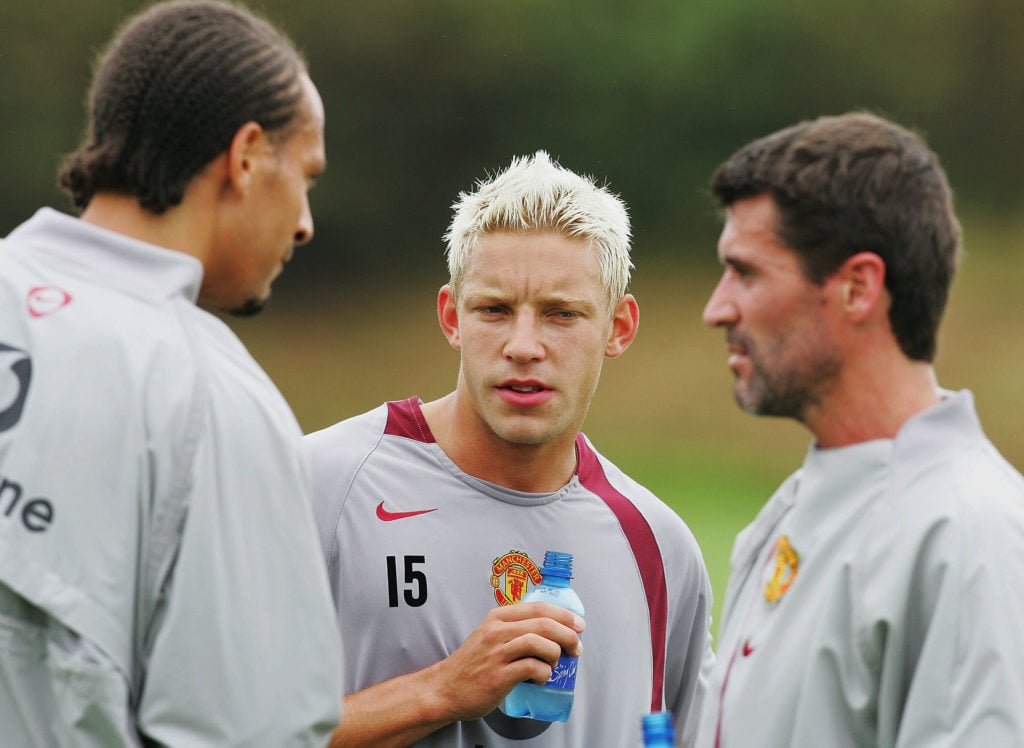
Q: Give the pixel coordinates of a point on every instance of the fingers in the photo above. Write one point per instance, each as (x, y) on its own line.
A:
(529, 668)
(538, 625)
(524, 611)
(511, 645)
(533, 645)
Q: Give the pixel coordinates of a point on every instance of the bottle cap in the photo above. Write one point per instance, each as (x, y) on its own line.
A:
(658, 726)
(557, 564)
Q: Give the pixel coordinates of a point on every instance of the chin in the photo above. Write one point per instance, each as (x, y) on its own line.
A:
(526, 436)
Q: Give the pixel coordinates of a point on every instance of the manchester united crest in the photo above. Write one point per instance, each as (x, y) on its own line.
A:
(787, 564)
(511, 575)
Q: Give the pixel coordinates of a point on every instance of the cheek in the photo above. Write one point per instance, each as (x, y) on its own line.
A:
(472, 339)
(588, 356)
(597, 341)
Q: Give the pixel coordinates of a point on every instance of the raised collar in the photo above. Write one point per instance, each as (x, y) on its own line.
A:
(109, 258)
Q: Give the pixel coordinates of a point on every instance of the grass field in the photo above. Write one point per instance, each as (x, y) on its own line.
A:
(664, 411)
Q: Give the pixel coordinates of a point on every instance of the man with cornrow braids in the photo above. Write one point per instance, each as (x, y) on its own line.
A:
(159, 576)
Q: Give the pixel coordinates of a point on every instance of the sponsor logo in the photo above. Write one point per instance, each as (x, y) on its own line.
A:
(36, 514)
(15, 375)
(385, 516)
(510, 576)
(787, 564)
(747, 648)
(44, 300)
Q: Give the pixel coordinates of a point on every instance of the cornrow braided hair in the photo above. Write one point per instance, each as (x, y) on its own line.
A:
(171, 91)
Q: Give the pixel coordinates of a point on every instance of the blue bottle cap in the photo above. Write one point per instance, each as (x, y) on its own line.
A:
(658, 726)
(557, 564)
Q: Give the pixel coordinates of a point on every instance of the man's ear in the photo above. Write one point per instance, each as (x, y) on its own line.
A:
(625, 324)
(861, 285)
(448, 316)
(249, 142)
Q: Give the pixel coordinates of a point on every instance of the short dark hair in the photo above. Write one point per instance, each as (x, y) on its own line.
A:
(170, 92)
(855, 183)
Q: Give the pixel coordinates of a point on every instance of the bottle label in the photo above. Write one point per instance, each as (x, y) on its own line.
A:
(563, 676)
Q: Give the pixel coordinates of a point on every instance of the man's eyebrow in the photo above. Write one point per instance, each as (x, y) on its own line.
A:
(484, 295)
(738, 263)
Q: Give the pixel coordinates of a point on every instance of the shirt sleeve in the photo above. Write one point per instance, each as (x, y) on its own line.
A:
(968, 611)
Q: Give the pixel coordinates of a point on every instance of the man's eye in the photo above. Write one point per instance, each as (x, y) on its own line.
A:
(741, 270)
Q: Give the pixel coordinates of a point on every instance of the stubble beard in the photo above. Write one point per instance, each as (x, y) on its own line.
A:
(250, 308)
(786, 389)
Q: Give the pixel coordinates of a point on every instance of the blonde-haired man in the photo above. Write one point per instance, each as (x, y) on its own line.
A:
(435, 516)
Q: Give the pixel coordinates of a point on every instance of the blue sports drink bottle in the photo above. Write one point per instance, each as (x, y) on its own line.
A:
(551, 702)
(658, 730)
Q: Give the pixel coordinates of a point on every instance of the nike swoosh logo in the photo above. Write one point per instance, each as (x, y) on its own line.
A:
(747, 649)
(386, 516)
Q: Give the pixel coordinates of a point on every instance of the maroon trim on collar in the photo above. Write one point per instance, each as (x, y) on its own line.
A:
(405, 418)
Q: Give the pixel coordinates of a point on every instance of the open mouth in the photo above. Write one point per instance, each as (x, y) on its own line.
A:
(524, 394)
(525, 388)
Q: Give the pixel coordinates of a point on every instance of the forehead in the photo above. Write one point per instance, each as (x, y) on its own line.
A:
(306, 142)
(749, 234)
(533, 261)
(312, 104)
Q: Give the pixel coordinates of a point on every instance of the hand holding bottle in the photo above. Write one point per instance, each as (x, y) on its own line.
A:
(550, 701)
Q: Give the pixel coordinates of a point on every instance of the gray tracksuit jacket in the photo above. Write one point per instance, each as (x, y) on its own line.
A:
(160, 580)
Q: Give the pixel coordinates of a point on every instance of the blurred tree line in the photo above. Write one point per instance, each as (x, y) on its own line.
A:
(423, 98)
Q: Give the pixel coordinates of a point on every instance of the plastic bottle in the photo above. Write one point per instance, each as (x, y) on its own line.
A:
(551, 702)
(658, 730)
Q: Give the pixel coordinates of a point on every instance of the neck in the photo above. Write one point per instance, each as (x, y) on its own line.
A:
(873, 402)
(176, 229)
(477, 451)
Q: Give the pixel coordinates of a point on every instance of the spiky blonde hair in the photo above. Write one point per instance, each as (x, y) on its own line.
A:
(536, 194)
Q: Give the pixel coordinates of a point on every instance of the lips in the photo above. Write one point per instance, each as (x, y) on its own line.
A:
(525, 387)
(524, 393)
(738, 350)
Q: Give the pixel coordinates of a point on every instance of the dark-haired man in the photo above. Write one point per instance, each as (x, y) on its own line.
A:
(159, 580)
(876, 600)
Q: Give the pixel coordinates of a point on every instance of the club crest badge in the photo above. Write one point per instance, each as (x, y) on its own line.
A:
(787, 564)
(511, 575)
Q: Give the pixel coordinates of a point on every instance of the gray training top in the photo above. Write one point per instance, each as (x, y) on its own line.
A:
(159, 568)
(419, 551)
(877, 601)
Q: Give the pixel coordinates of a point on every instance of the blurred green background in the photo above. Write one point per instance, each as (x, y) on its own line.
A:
(425, 98)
